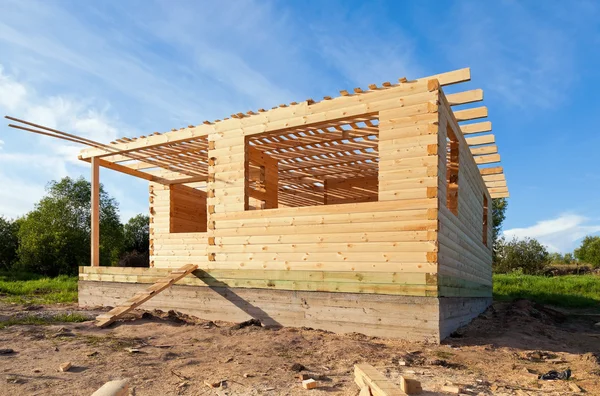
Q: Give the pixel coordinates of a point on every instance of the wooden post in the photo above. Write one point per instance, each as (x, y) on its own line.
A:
(95, 212)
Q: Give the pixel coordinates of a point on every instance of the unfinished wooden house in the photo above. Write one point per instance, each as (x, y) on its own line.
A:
(369, 212)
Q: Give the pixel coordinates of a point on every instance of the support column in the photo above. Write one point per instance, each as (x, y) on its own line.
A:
(95, 212)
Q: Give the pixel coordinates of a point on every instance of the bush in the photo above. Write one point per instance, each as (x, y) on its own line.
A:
(589, 251)
(527, 256)
(9, 243)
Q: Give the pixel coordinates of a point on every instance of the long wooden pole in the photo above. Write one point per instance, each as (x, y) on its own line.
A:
(95, 201)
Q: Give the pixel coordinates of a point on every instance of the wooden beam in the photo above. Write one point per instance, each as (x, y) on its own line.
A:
(141, 297)
(476, 127)
(494, 177)
(500, 195)
(479, 140)
(471, 114)
(475, 95)
(452, 77)
(487, 159)
(95, 212)
(499, 183)
(366, 375)
(297, 115)
(491, 171)
(493, 149)
(185, 180)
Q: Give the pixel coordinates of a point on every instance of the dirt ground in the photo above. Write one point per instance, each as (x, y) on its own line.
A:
(500, 353)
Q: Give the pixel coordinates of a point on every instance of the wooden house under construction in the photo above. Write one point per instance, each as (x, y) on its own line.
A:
(369, 212)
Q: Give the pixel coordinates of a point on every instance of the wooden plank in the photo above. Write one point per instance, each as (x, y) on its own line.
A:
(475, 95)
(379, 384)
(480, 140)
(487, 159)
(476, 127)
(95, 212)
(471, 114)
(493, 149)
(491, 171)
(143, 296)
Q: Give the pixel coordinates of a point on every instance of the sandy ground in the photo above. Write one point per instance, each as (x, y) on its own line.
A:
(500, 353)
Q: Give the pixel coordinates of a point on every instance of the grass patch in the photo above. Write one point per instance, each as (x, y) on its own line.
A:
(24, 288)
(44, 320)
(570, 291)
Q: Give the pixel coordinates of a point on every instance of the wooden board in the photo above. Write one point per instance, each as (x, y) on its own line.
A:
(141, 297)
(366, 375)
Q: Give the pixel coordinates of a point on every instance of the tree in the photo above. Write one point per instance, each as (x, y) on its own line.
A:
(136, 242)
(525, 255)
(9, 243)
(589, 251)
(54, 238)
(568, 258)
(136, 234)
(556, 258)
(499, 206)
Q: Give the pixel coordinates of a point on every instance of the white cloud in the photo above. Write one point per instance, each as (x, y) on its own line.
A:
(20, 197)
(559, 234)
(33, 160)
(11, 92)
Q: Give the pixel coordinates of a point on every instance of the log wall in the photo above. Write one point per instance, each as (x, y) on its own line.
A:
(406, 250)
(465, 263)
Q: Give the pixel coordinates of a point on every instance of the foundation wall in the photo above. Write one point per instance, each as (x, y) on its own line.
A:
(411, 318)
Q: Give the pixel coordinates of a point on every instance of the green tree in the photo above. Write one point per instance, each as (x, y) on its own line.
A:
(589, 251)
(9, 242)
(525, 255)
(136, 234)
(556, 258)
(499, 206)
(54, 238)
(568, 258)
(136, 242)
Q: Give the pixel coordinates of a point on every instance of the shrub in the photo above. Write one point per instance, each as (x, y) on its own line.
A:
(527, 256)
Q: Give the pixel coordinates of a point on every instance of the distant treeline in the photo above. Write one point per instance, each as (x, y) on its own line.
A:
(54, 238)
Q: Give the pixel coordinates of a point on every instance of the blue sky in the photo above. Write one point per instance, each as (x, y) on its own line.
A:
(109, 69)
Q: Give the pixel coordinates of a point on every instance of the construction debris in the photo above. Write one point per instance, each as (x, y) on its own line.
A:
(218, 384)
(410, 386)
(113, 388)
(575, 388)
(554, 375)
(366, 376)
(297, 367)
(309, 384)
(65, 367)
(451, 389)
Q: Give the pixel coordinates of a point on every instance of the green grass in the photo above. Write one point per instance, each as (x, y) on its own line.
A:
(570, 291)
(44, 320)
(26, 288)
